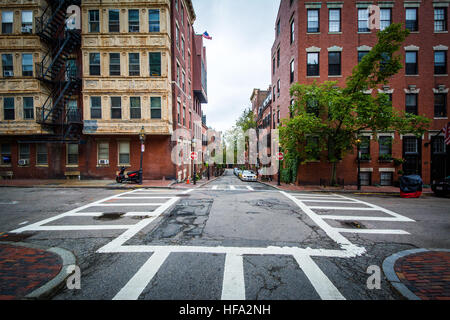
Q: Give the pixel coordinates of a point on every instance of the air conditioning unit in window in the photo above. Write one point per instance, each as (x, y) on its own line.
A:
(27, 29)
(103, 162)
(24, 162)
(8, 73)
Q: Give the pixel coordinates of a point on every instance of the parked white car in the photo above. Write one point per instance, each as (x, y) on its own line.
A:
(248, 175)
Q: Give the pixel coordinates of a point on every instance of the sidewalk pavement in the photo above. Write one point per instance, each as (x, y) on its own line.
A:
(111, 184)
(420, 274)
(30, 271)
(346, 189)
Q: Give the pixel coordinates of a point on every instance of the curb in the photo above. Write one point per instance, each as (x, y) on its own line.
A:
(388, 269)
(124, 187)
(396, 193)
(51, 287)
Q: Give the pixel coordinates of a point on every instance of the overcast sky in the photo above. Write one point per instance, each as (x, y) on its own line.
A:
(238, 56)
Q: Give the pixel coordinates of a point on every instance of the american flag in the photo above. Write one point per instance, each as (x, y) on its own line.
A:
(446, 131)
(206, 36)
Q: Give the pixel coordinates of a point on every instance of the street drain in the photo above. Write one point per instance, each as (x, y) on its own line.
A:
(353, 224)
(110, 216)
(15, 237)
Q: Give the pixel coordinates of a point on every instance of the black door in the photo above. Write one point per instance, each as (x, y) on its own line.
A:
(412, 153)
(440, 159)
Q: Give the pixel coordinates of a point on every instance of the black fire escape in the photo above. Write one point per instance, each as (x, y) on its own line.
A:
(58, 71)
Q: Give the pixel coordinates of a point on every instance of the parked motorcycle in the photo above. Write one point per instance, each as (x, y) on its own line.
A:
(132, 176)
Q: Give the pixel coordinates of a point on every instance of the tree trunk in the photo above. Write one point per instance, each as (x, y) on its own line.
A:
(333, 173)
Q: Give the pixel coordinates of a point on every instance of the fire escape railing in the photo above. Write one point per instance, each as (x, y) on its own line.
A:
(63, 78)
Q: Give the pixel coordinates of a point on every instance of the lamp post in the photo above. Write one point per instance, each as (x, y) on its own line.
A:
(142, 139)
(358, 144)
(193, 160)
(207, 162)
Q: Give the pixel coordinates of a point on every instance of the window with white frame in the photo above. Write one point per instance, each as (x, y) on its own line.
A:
(135, 107)
(386, 178)
(133, 20)
(334, 20)
(134, 64)
(7, 22)
(72, 154)
(385, 18)
(28, 108)
(94, 21)
(124, 153)
(116, 108)
(363, 20)
(27, 21)
(27, 64)
(24, 151)
(41, 154)
(103, 151)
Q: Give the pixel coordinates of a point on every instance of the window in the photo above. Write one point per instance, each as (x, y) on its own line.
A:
(278, 116)
(385, 144)
(313, 20)
(116, 108)
(182, 14)
(24, 151)
(7, 65)
(7, 22)
(363, 20)
(94, 21)
(365, 178)
(273, 93)
(102, 151)
(96, 108)
(183, 82)
(385, 18)
(124, 153)
(411, 145)
(41, 154)
(438, 145)
(312, 106)
(184, 115)
(114, 64)
(27, 64)
(334, 63)
(72, 154)
(334, 20)
(411, 19)
(411, 62)
(133, 20)
(8, 108)
(5, 150)
(178, 74)
(114, 20)
(182, 48)
(440, 105)
(134, 64)
(27, 21)
(386, 178)
(292, 29)
(411, 103)
(273, 65)
(364, 148)
(440, 19)
(72, 110)
(361, 55)
(278, 27)
(278, 58)
(155, 107)
(94, 64)
(153, 21)
(179, 112)
(313, 64)
(28, 108)
(190, 120)
(155, 64)
(278, 87)
(312, 144)
(386, 58)
(440, 62)
(177, 36)
(135, 107)
(292, 71)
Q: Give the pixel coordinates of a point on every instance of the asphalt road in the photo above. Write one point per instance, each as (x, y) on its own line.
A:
(227, 240)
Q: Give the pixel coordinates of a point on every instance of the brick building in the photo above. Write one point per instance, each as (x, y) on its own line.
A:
(323, 40)
(81, 79)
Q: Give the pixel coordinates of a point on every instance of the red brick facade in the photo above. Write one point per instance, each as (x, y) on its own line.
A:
(348, 41)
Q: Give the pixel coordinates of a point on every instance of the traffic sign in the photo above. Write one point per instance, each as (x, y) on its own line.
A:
(194, 155)
(280, 156)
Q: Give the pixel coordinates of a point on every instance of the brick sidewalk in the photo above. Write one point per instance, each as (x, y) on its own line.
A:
(23, 270)
(426, 274)
(82, 183)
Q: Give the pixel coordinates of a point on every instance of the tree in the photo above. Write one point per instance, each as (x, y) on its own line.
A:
(329, 118)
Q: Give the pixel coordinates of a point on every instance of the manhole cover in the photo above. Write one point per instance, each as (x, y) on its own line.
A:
(15, 237)
(110, 216)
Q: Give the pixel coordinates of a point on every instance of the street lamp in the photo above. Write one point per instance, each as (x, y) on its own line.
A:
(358, 144)
(207, 162)
(193, 160)
(142, 139)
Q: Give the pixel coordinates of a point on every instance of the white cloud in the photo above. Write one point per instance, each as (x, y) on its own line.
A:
(238, 57)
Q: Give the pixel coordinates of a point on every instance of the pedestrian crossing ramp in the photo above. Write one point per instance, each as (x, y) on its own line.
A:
(245, 188)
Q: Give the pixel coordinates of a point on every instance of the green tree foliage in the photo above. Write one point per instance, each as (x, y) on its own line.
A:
(335, 116)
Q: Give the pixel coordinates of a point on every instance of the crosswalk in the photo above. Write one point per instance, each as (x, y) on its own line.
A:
(232, 188)
(151, 204)
(356, 210)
